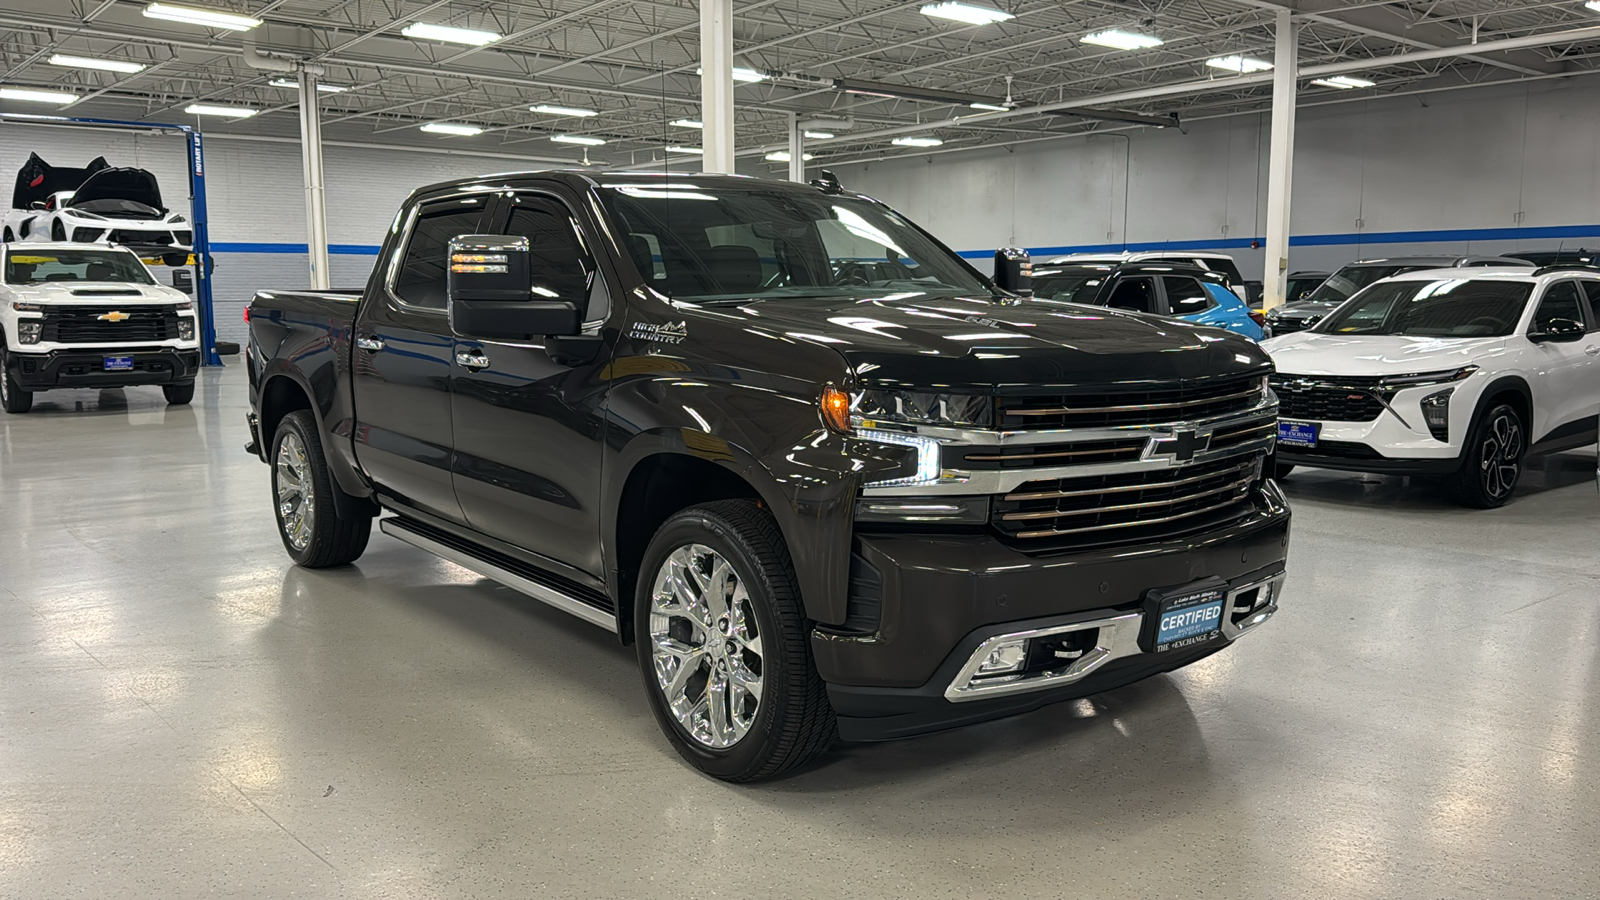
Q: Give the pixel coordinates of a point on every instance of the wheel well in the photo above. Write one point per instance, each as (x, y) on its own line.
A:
(1515, 395)
(279, 397)
(658, 487)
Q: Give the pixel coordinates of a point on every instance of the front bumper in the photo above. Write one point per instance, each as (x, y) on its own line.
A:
(943, 596)
(86, 368)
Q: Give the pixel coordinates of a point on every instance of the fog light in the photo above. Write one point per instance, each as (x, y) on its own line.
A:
(1436, 412)
(28, 332)
(185, 328)
(1008, 656)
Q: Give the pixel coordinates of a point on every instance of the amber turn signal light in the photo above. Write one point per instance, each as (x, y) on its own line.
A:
(835, 406)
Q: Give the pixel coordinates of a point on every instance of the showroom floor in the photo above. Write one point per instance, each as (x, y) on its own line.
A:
(184, 714)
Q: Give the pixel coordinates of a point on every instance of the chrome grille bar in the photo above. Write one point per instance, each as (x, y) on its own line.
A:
(1125, 488)
(1122, 507)
(1137, 407)
(1057, 532)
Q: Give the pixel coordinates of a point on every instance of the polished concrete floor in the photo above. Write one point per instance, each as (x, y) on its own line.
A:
(183, 714)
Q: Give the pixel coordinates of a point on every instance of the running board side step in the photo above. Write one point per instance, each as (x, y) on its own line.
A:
(403, 530)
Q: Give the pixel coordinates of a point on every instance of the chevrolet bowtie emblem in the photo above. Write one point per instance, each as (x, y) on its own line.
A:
(114, 317)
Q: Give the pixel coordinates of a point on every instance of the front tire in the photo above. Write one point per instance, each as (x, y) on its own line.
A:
(1491, 463)
(313, 532)
(58, 232)
(724, 645)
(178, 394)
(12, 398)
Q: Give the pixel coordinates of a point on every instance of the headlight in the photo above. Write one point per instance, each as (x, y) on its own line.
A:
(927, 456)
(922, 408)
(177, 220)
(186, 306)
(28, 332)
(1436, 412)
(185, 328)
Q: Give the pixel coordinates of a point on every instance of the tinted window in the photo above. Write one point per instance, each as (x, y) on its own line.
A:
(556, 258)
(1561, 301)
(25, 266)
(1350, 279)
(712, 244)
(1136, 294)
(420, 280)
(1073, 286)
(1592, 288)
(1226, 267)
(1454, 307)
(1185, 296)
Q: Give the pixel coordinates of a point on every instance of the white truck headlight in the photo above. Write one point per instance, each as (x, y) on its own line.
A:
(28, 332)
(185, 328)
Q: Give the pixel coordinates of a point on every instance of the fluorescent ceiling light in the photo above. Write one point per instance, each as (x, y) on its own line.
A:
(1122, 40)
(61, 97)
(211, 18)
(452, 128)
(1593, 6)
(1241, 64)
(549, 110)
(103, 65)
(992, 106)
(207, 109)
(916, 142)
(694, 123)
(449, 34)
(783, 156)
(1345, 82)
(293, 85)
(749, 76)
(824, 135)
(577, 139)
(963, 12)
(681, 148)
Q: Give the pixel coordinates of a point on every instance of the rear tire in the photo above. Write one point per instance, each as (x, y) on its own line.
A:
(178, 394)
(1491, 462)
(313, 532)
(12, 398)
(58, 232)
(724, 646)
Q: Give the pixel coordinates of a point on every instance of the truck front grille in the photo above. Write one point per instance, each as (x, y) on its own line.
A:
(1129, 406)
(1126, 507)
(1327, 400)
(84, 324)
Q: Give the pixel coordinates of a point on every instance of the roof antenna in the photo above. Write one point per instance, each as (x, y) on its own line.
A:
(828, 183)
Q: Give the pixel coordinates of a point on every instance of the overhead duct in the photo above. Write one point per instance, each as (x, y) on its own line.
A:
(276, 62)
(1170, 120)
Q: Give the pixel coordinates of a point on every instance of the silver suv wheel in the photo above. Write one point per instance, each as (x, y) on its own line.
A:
(296, 499)
(705, 647)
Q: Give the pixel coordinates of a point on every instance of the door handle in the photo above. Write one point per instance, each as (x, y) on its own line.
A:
(469, 359)
(370, 344)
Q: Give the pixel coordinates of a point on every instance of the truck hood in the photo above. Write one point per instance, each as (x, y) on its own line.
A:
(960, 342)
(79, 293)
(1302, 308)
(1335, 354)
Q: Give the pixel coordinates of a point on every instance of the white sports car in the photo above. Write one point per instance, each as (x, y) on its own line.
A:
(1457, 372)
(99, 203)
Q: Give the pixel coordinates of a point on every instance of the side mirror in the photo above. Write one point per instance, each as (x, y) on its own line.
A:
(491, 296)
(183, 280)
(38, 204)
(1013, 271)
(1558, 331)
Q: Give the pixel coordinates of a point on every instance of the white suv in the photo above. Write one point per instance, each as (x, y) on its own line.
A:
(1458, 372)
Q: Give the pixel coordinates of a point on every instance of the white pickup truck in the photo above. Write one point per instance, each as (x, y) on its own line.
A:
(90, 315)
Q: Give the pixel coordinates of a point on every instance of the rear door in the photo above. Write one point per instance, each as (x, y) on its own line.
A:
(401, 362)
(529, 420)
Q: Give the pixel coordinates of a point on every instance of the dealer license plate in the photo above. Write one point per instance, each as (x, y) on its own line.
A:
(119, 363)
(1298, 434)
(1189, 619)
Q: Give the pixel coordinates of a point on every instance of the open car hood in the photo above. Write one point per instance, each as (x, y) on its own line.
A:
(37, 179)
(120, 183)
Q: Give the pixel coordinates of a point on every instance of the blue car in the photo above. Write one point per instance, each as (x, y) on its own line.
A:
(1185, 292)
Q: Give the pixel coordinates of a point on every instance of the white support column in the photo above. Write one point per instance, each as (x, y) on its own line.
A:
(1280, 161)
(716, 85)
(797, 150)
(316, 202)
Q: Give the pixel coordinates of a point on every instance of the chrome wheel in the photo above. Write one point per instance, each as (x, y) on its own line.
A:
(1500, 458)
(705, 646)
(295, 493)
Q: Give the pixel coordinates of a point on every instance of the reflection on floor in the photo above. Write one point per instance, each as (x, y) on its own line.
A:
(184, 714)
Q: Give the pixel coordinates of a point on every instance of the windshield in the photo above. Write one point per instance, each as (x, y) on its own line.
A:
(711, 244)
(25, 266)
(1068, 285)
(1350, 279)
(1454, 307)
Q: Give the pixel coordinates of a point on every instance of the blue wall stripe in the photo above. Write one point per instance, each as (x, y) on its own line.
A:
(1541, 233)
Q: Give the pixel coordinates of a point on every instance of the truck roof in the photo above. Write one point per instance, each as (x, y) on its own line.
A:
(583, 179)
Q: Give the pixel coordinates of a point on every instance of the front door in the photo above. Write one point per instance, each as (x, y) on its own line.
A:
(529, 420)
(1571, 370)
(401, 362)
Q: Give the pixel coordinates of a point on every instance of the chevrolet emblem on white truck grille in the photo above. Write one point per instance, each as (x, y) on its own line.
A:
(114, 317)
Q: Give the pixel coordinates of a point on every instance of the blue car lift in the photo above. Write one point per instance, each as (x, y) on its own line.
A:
(194, 151)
